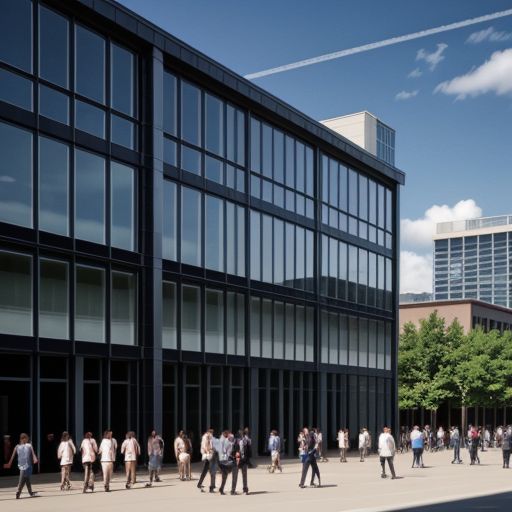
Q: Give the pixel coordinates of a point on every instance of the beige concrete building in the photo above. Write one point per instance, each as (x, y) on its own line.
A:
(468, 312)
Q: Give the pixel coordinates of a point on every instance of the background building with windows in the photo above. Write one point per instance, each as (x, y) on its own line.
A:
(472, 260)
(367, 131)
(179, 248)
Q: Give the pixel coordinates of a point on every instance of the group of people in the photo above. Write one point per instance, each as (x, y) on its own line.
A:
(90, 454)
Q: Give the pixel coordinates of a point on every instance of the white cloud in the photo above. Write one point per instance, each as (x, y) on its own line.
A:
(406, 95)
(415, 272)
(434, 58)
(7, 179)
(494, 75)
(488, 34)
(415, 73)
(418, 232)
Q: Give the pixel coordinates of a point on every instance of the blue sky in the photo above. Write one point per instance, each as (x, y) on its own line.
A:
(451, 149)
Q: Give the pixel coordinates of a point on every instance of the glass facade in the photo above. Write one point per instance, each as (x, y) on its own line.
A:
(158, 231)
(474, 267)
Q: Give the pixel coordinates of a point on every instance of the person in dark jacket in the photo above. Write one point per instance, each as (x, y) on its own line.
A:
(241, 454)
(506, 446)
(310, 460)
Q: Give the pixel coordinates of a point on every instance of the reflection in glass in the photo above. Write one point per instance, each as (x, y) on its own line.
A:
(122, 79)
(191, 226)
(267, 249)
(90, 119)
(122, 132)
(53, 47)
(90, 304)
(123, 308)
(255, 327)
(53, 299)
(190, 160)
(289, 271)
(240, 241)
(53, 104)
(266, 328)
(123, 210)
(169, 339)
(89, 64)
(231, 255)
(278, 330)
(170, 152)
(214, 233)
(15, 89)
(278, 251)
(16, 34)
(255, 246)
(300, 333)
(170, 222)
(190, 113)
(214, 321)
(290, 332)
(213, 170)
(191, 319)
(255, 145)
(266, 144)
(53, 186)
(170, 95)
(15, 294)
(89, 197)
(15, 175)
(214, 125)
(290, 162)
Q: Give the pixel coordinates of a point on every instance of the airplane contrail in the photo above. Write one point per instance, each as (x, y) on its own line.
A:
(379, 44)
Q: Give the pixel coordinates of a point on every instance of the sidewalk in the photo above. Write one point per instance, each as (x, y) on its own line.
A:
(352, 486)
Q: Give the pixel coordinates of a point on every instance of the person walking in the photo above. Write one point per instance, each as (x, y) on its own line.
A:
(65, 454)
(89, 450)
(506, 446)
(455, 444)
(207, 453)
(310, 460)
(155, 456)
(107, 451)
(26, 457)
(474, 439)
(387, 452)
(417, 444)
(363, 444)
(131, 451)
(182, 455)
(274, 447)
(226, 460)
(342, 445)
(242, 451)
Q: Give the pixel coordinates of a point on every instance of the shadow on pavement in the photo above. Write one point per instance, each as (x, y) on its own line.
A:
(494, 502)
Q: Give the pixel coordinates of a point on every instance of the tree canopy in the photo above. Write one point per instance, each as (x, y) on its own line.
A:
(437, 363)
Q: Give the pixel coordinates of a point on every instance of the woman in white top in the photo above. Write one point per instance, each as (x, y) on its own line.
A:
(89, 449)
(65, 453)
(342, 445)
(131, 451)
(387, 450)
(108, 450)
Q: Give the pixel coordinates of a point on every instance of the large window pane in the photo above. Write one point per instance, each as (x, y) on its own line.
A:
(290, 332)
(123, 308)
(53, 47)
(90, 304)
(255, 327)
(122, 231)
(15, 294)
(290, 254)
(90, 119)
(15, 89)
(16, 33)
(122, 79)
(278, 330)
(169, 315)
(214, 321)
(15, 175)
(53, 186)
(89, 197)
(214, 120)
(240, 241)
(89, 64)
(310, 334)
(53, 299)
(53, 104)
(266, 328)
(190, 113)
(214, 233)
(190, 226)
(300, 264)
(191, 318)
(300, 333)
(240, 324)
(122, 132)
(170, 95)
(231, 318)
(353, 340)
(255, 145)
(255, 245)
(170, 222)
(278, 251)
(267, 249)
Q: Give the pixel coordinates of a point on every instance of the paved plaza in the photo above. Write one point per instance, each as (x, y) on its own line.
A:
(354, 486)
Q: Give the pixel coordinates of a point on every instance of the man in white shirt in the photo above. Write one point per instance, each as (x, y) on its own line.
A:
(387, 450)
(89, 449)
(131, 451)
(108, 450)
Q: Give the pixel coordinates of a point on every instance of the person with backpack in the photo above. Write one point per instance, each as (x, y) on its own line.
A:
(506, 446)
(131, 451)
(226, 461)
(26, 457)
(89, 450)
(274, 447)
(309, 459)
(242, 451)
(65, 454)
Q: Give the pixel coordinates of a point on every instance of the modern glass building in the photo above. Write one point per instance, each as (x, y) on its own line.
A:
(179, 249)
(471, 260)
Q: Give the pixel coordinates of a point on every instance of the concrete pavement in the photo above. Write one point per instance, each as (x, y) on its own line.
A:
(353, 486)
